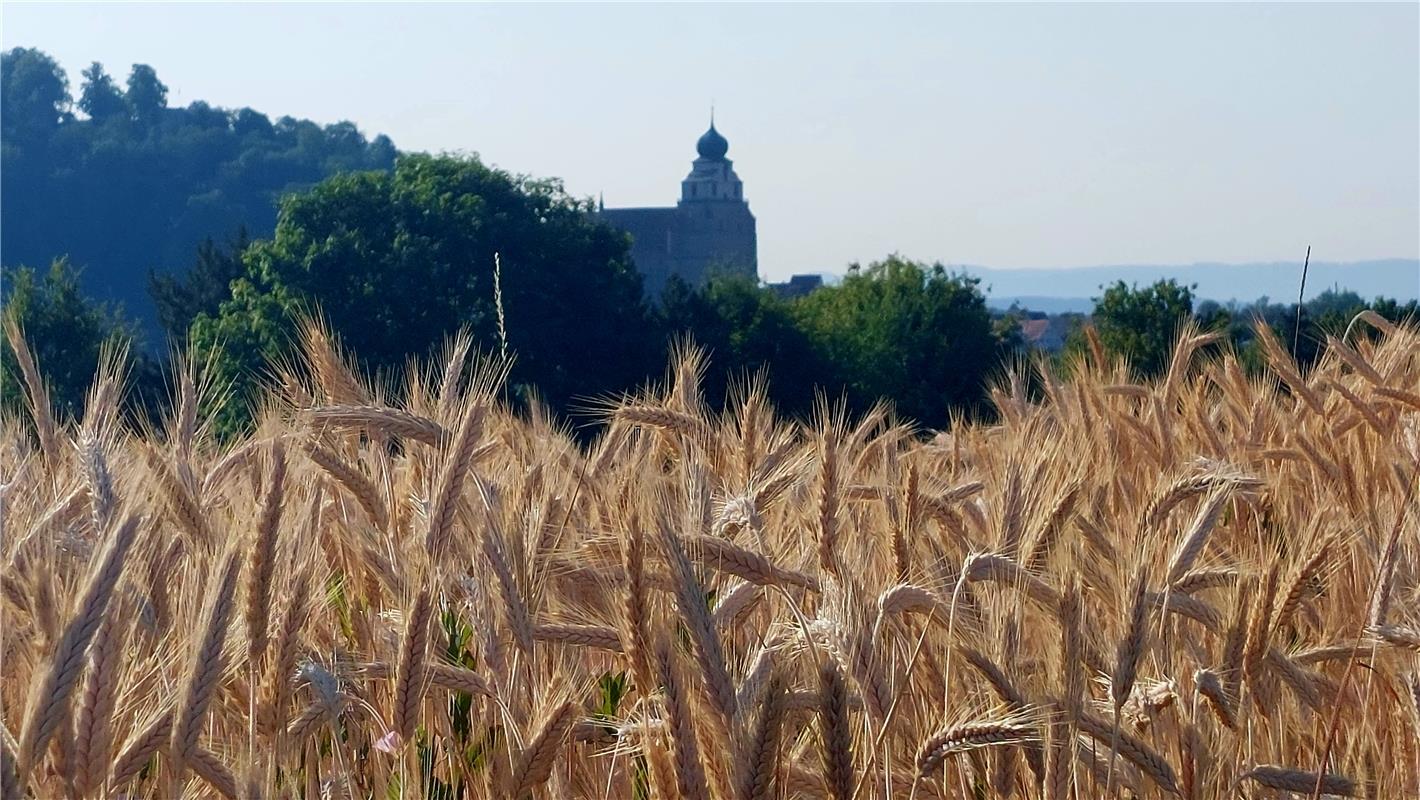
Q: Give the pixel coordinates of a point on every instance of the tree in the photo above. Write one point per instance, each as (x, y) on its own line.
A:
(64, 330)
(906, 331)
(181, 297)
(146, 96)
(126, 198)
(745, 329)
(34, 92)
(397, 261)
(100, 97)
(1141, 324)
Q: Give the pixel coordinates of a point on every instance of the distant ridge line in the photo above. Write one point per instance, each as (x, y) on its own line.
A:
(1397, 278)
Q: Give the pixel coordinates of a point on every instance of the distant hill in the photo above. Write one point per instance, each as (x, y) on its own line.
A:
(1049, 305)
(1068, 289)
(113, 177)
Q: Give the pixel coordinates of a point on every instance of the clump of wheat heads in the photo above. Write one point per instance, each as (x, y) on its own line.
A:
(444, 597)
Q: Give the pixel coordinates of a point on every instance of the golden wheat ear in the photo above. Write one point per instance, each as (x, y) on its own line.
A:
(48, 705)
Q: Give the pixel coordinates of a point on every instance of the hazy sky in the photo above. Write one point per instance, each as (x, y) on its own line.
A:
(1003, 135)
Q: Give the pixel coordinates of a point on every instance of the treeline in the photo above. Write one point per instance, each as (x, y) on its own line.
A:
(1140, 324)
(395, 262)
(123, 184)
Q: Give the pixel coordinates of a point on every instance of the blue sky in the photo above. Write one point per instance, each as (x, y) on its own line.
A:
(1001, 135)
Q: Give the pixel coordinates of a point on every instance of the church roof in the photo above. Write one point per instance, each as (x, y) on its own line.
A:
(712, 145)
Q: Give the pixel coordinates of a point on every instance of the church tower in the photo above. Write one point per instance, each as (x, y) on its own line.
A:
(709, 231)
(712, 176)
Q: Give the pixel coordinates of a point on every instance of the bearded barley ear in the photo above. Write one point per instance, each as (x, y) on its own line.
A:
(262, 558)
(140, 748)
(835, 734)
(48, 706)
(828, 480)
(535, 764)
(1132, 749)
(970, 736)
(689, 771)
(1288, 779)
(93, 725)
(36, 392)
(458, 460)
(1219, 702)
(206, 663)
(760, 754)
(410, 678)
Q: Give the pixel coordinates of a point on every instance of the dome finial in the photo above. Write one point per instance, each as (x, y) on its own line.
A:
(712, 145)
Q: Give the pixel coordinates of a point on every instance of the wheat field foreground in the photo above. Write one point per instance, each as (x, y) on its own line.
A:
(1202, 587)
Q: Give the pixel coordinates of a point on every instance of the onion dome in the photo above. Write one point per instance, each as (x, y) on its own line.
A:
(712, 145)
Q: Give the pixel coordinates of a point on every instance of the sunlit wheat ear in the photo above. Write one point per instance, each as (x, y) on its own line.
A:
(709, 655)
(1071, 650)
(102, 499)
(1310, 571)
(1131, 646)
(36, 391)
(1059, 759)
(185, 508)
(207, 661)
(448, 487)
(828, 480)
(354, 481)
(1055, 526)
(1259, 630)
(1288, 779)
(285, 650)
(633, 598)
(93, 724)
(48, 705)
(261, 561)
(970, 736)
(1231, 663)
(10, 788)
(690, 773)
(535, 764)
(410, 678)
(835, 733)
(1211, 688)
(1193, 542)
(759, 759)
(515, 610)
(1132, 748)
(455, 359)
(324, 359)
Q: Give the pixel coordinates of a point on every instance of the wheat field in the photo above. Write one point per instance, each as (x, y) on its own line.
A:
(1205, 586)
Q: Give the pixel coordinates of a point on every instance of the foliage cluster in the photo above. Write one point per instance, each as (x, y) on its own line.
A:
(123, 184)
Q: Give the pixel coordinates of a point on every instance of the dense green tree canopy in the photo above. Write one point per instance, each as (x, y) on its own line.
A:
(35, 97)
(1141, 324)
(133, 185)
(100, 98)
(397, 261)
(906, 331)
(179, 297)
(64, 330)
(746, 330)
